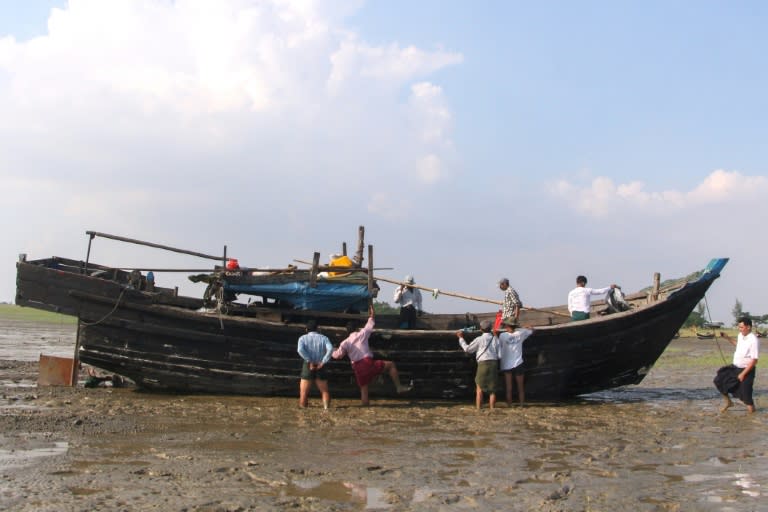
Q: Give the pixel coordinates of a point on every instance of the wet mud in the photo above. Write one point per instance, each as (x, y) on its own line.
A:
(659, 446)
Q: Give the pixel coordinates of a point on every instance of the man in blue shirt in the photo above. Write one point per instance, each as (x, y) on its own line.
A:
(315, 349)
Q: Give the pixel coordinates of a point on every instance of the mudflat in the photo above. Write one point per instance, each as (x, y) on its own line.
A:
(661, 445)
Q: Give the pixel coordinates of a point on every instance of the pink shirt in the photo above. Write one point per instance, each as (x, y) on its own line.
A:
(356, 344)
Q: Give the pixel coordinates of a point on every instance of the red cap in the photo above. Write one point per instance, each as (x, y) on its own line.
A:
(232, 264)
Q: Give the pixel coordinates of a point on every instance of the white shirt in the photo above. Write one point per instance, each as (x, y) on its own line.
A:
(486, 347)
(408, 297)
(747, 348)
(579, 298)
(512, 348)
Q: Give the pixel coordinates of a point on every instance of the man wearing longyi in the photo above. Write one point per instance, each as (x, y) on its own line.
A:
(738, 378)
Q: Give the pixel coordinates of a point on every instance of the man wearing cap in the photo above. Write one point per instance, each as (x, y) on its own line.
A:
(486, 350)
(409, 299)
(510, 308)
(511, 357)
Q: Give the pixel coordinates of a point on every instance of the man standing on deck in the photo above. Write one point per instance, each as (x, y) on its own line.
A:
(409, 299)
(315, 349)
(739, 377)
(579, 299)
(510, 307)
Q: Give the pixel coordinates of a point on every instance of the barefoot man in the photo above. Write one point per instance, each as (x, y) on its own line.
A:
(739, 377)
(366, 368)
(315, 349)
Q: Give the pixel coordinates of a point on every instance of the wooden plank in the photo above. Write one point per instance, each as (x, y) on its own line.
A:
(55, 371)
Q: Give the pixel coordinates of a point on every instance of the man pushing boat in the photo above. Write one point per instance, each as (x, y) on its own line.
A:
(366, 368)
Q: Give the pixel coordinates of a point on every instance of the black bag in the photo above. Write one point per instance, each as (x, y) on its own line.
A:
(727, 379)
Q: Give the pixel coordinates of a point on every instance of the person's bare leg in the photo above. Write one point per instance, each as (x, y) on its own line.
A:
(322, 385)
(304, 385)
(750, 409)
(727, 403)
(508, 385)
(364, 396)
(390, 367)
(478, 397)
(492, 400)
(520, 379)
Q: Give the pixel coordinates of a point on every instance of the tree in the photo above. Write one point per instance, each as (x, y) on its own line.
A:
(737, 312)
(382, 308)
(696, 318)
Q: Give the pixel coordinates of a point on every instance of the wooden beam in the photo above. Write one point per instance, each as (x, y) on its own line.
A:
(370, 269)
(358, 259)
(156, 246)
(313, 273)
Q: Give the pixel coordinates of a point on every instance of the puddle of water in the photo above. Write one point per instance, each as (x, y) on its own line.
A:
(83, 491)
(338, 492)
(21, 457)
(23, 341)
(25, 384)
(19, 407)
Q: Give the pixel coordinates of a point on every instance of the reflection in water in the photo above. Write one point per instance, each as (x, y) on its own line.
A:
(742, 481)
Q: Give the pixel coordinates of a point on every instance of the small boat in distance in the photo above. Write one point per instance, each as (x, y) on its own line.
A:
(219, 344)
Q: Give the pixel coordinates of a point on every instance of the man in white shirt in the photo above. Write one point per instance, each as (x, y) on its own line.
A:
(511, 357)
(409, 299)
(579, 299)
(743, 368)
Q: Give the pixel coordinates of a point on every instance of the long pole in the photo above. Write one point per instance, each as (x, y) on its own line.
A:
(469, 297)
(450, 294)
(158, 246)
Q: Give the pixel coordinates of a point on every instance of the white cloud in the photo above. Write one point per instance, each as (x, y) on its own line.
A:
(195, 118)
(384, 67)
(429, 169)
(602, 196)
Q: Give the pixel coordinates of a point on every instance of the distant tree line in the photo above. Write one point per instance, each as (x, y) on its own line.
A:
(738, 312)
(382, 308)
(698, 317)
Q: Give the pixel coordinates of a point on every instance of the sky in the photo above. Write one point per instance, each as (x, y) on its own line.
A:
(473, 140)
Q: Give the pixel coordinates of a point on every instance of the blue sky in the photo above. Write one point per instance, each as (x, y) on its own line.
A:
(474, 140)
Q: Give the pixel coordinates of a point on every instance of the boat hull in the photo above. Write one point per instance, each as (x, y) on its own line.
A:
(165, 342)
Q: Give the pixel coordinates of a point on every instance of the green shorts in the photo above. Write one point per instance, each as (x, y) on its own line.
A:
(307, 374)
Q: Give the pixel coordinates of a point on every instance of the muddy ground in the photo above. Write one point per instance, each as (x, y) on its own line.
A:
(658, 446)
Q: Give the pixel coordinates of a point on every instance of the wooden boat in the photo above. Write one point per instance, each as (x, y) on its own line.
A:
(164, 341)
(705, 335)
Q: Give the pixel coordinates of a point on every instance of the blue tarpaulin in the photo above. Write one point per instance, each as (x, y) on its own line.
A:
(326, 296)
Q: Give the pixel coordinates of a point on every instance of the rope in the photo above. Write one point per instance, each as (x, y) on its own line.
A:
(717, 342)
(220, 305)
(119, 298)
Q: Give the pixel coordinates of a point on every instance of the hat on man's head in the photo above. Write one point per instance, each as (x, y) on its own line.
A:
(409, 279)
(504, 280)
(510, 322)
(485, 325)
